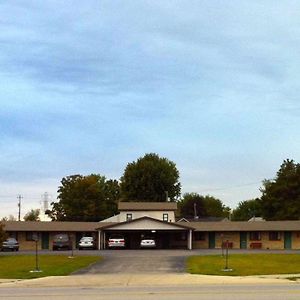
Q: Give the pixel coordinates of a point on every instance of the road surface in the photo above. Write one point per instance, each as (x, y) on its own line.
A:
(207, 292)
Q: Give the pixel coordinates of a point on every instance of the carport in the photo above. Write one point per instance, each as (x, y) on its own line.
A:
(168, 235)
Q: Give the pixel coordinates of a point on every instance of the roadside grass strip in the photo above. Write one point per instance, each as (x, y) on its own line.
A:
(245, 265)
(19, 267)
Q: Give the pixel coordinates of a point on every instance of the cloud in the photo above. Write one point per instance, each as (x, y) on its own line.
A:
(87, 87)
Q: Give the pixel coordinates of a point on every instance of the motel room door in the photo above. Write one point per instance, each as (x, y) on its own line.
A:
(45, 240)
(211, 240)
(287, 240)
(243, 240)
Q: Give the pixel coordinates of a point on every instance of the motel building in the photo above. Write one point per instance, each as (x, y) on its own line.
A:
(138, 219)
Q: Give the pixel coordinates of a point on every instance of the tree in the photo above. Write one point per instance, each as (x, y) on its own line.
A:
(32, 215)
(215, 207)
(281, 196)
(193, 204)
(150, 178)
(85, 198)
(247, 209)
(9, 218)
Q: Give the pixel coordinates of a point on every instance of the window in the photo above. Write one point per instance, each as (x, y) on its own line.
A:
(274, 236)
(128, 217)
(199, 236)
(254, 236)
(165, 217)
(32, 236)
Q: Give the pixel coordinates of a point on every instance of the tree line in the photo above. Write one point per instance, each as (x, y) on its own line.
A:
(153, 178)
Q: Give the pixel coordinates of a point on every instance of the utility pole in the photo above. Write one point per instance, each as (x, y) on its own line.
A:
(167, 196)
(19, 197)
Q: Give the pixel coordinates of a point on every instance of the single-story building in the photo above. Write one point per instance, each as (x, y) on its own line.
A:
(137, 219)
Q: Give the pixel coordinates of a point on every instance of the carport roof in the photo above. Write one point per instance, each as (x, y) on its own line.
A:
(108, 226)
(142, 206)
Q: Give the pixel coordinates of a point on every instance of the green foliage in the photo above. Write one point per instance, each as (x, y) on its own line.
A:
(243, 265)
(9, 218)
(192, 204)
(85, 198)
(13, 266)
(215, 208)
(246, 210)
(32, 215)
(281, 197)
(149, 178)
(202, 206)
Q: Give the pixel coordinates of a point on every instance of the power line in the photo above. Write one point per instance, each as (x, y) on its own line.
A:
(231, 187)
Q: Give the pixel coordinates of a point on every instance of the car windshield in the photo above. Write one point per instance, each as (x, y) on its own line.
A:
(86, 238)
(11, 240)
(61, 237)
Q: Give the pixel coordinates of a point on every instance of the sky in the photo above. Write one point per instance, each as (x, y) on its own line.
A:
(89, 86)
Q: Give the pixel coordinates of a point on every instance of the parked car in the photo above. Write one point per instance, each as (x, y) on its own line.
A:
(116, 241)
(61, 241)
(147, 242)
(86, 242)
(10, 244)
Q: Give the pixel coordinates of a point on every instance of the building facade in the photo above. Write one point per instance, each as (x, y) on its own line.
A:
(137, 219)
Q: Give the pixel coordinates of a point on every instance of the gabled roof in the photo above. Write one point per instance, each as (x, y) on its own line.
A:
(179, 226)
(142, 206)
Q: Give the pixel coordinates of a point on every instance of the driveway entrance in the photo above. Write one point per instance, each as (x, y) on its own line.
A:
(139, 261)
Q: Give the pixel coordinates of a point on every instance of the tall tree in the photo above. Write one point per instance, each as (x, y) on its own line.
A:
(281, 196)
(193, 204)
(215, 207)
(150, 178)
(32, 215)
(246, 210)
(85, 198)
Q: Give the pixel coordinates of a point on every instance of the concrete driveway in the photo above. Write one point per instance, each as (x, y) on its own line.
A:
(141, 261)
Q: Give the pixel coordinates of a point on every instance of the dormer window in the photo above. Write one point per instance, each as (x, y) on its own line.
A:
(166, 217)
(128, 217)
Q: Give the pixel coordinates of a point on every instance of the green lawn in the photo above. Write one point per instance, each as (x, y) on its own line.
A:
(51, 265)
(243, 265)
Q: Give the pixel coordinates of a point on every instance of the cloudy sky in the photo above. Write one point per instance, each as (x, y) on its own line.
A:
(88, 86)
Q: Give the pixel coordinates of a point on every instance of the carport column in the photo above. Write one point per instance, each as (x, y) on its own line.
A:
(104, 241)
(190, 240)
(99, 240)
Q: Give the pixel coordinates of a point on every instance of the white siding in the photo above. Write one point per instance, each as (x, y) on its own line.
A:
(146, 224)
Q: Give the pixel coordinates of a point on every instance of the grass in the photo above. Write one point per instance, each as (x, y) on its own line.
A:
(19, 267)
(244, 265)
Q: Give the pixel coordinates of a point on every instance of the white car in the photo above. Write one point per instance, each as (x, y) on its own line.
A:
(147, 242)
(116, 241)
(86, 242)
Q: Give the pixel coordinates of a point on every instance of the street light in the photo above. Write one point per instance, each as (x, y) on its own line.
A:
(35, 238)
(226, 269)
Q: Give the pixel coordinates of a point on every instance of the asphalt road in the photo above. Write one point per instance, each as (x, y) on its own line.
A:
(146, 274)
(207, 292)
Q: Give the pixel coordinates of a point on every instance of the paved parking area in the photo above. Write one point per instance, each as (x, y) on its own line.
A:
(142, 261)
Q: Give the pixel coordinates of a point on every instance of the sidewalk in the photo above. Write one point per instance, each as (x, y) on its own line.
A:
(110, 280)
